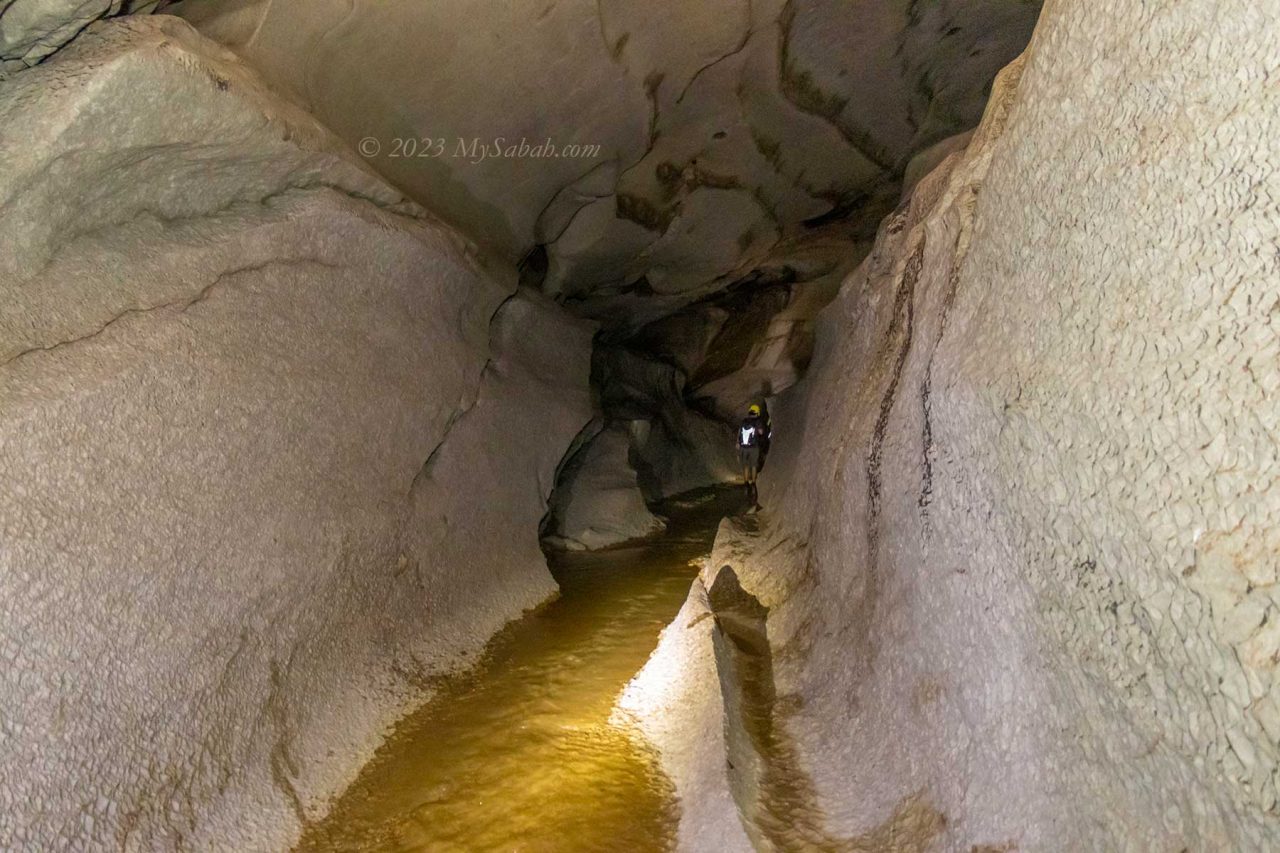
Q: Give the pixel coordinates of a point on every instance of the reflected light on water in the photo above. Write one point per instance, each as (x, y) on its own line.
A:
(520, 754)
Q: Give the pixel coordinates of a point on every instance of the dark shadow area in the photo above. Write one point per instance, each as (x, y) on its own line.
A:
(774, 794)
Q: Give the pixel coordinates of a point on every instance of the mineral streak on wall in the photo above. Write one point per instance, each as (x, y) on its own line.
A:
(1020, 548)
(744, 152)
(275, 443)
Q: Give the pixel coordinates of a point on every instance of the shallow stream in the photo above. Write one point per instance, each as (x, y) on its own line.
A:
(519, 753)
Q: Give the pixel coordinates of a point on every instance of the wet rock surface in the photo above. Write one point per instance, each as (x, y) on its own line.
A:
(275, 443)
(524, 752)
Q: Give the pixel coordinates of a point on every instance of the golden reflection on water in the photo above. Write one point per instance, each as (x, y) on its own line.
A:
(519, 755)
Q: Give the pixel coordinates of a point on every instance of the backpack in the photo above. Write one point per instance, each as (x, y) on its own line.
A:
(747, 434)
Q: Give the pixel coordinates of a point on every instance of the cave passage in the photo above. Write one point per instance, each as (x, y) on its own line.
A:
(519, 753)
(371, 376)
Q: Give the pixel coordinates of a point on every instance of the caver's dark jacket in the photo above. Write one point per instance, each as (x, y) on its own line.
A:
(753, 432)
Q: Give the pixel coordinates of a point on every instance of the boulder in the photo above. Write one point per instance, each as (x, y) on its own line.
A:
(598, 502)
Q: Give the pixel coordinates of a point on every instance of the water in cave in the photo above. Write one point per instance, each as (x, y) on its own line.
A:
(300, 397)
(523, 751)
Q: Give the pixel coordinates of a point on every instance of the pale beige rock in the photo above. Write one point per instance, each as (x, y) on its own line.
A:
(675, 701)
(674, 449)
(1019, 556)
(31, 30)
(931, 158)
(720, 124)
(717, 146)
(1020, 518)
(257, 474)
(597, 501)
(522, 75)
(725, 131)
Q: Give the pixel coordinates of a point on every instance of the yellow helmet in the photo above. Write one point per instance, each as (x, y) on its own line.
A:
(754, 410)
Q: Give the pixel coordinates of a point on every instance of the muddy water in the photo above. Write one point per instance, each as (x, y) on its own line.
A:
(519, 754)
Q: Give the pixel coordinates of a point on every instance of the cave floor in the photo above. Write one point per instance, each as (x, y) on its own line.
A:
(519, 754)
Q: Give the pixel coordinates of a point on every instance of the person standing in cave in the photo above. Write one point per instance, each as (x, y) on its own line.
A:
(767, 437)
(753, 436)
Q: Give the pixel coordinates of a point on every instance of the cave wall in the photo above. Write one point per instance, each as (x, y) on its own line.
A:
(258, 481)
(597, 501)
(735, 149)
(723, 126)
(1018, 556)
(33, 30)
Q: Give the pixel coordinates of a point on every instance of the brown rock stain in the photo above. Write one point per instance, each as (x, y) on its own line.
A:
(912, 827)
(926, 692)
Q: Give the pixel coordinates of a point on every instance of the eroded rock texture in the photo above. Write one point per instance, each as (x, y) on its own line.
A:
(31, 30)
(1018, 561)
(722, 125)
(597, 501)
(741, 152)
(257, 479)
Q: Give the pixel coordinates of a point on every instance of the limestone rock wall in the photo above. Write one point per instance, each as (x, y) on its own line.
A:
(647, 445)
(31, 30)
(597, 501)
(674, 447)
(1016, 566)
(687, 156)
(257, 474)
(722, 126)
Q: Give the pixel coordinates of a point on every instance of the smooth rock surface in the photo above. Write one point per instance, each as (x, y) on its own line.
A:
(1017, 556)
(676, 701)
(597, 501)
(722, 126)
(257, 474)
(674, 448)
(649, 159)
